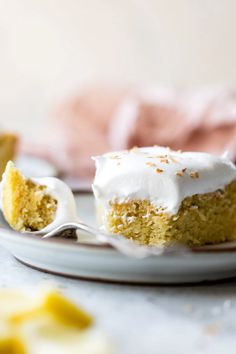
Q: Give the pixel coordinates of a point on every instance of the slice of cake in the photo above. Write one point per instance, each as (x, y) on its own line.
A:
(39, 204)
(8, 145)
(157, 196)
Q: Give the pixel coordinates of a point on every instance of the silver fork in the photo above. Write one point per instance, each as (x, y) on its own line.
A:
(119, 242)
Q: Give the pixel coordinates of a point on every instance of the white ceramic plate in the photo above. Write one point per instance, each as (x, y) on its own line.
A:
(91, 261)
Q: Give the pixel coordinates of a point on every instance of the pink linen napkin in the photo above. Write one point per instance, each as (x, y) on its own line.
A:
(105, 119)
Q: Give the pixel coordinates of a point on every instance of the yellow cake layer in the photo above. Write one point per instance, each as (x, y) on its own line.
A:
(26, 205)
(8, 144)
(208, 218)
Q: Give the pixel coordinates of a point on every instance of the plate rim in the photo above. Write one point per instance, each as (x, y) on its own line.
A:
(53, 241)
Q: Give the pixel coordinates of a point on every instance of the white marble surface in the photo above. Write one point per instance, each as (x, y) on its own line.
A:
(147, 320)
(144, 319)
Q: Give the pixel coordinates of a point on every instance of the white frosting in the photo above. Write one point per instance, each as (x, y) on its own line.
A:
(163, 176)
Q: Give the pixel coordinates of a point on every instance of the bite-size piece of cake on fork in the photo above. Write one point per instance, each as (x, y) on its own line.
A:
(157, 196)
(35, 204)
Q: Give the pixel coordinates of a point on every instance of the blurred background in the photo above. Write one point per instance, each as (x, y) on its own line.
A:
(75, 75)
(51, 48)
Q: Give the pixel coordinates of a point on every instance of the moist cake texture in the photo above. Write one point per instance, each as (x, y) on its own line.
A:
(35, 204)
(26, 205)
(157, 196)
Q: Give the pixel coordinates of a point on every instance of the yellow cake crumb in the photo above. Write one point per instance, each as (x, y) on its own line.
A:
(194, 174)
(150, 164)
(181, 172)
(164, 160)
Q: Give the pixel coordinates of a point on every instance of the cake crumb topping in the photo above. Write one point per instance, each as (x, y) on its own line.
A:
(181, 172)
(173, 159)
(150, 164)
(194, 174)
(164, 160)
(115, 157)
